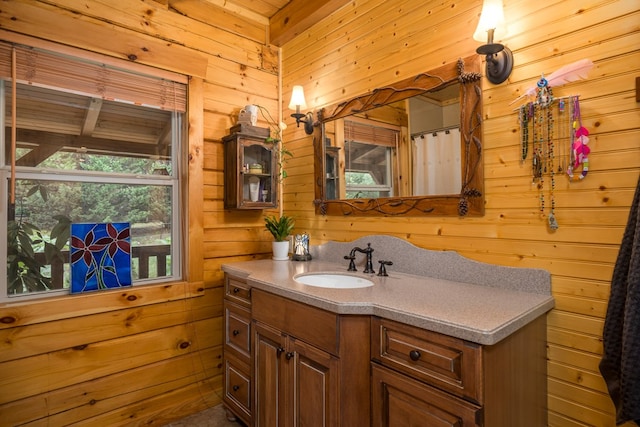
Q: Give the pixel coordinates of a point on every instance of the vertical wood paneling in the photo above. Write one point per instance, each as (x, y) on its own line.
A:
(106, 359)
(372, 43)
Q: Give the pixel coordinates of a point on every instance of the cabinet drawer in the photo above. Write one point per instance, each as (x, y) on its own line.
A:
(237, 388)
(310, 324)
(398, 400)
(237, 290)
(237, 329)
(448, 363)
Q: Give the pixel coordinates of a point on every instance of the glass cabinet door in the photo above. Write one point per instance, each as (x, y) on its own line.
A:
(251, 172)
(333, 174)
(257, 166)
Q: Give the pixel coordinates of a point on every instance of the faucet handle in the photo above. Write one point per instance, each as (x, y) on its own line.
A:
(352, 264)
(383, 269)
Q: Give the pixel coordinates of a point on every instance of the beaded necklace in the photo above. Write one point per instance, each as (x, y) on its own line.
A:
(544, 100)
(525, 114)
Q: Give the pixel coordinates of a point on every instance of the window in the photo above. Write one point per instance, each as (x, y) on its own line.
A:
(92, 143)
(368, 160)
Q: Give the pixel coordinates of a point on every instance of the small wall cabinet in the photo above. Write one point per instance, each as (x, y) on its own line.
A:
(251, 169)
(331, 161)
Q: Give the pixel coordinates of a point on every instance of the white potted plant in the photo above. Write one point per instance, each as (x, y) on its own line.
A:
(280, 229)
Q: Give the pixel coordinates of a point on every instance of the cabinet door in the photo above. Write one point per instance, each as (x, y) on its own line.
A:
(314, 379)
(259, 173)
(269, 376)
(398, 400)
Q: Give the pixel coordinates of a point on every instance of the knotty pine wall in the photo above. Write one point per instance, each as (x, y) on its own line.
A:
(150, 354)
(371, 43)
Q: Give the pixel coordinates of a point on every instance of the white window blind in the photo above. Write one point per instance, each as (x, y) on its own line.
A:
(52, 70)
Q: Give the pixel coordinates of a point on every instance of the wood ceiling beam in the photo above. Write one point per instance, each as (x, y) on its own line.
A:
(39, 154)
(299, 15)
(163, 143)
(45, 144)
(240, 11)
(91, 118)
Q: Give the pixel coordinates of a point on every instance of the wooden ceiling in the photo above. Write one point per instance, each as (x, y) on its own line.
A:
(285, 18)
(51, 122)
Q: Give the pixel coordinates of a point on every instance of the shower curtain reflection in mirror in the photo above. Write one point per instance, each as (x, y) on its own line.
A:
(437, 162)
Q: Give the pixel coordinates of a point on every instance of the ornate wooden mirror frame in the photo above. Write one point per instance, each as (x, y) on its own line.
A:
(470, 201)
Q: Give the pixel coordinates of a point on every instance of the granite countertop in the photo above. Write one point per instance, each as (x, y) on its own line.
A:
(481, 313)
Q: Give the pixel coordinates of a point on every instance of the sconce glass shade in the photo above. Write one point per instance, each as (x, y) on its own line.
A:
(491, 18)
(297, 99)
(297, 103)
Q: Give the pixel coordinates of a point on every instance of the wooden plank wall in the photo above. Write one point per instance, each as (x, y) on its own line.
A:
(371, 43)
(151, 354)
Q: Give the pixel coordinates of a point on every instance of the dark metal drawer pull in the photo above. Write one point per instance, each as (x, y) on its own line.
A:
(414, 355)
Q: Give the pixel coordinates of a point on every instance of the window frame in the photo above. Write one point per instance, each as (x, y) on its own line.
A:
(175, 181)
(378, 187)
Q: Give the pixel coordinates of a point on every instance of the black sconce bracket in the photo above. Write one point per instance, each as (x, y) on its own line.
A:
(499, 61)
(308, 122)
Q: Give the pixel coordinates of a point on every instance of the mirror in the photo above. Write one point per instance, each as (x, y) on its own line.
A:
(377, 154)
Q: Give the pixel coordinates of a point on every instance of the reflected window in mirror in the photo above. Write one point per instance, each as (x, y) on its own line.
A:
(368, 171)
(378, 161)
(369, 148)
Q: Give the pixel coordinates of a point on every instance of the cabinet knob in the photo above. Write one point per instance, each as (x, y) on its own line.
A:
(289, 355)
(414, 355)
(235, 332)
(236, 387)
(236, 290)
(279, 351)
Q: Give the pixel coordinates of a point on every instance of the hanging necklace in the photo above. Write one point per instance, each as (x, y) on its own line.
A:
(561, 135)
(544, 100)
(553, 224)
(537, 158)
(524, 130)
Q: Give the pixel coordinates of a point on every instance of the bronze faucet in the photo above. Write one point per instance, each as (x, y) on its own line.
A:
(352, 256)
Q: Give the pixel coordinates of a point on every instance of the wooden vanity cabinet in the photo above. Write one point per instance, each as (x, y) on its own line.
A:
(237, 349)
(311, 367)
(425, 378)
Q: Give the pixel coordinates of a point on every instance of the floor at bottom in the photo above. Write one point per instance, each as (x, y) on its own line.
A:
(212, 417)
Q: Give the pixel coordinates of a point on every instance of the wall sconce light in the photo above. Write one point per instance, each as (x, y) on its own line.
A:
(499, 57)
(298, 102)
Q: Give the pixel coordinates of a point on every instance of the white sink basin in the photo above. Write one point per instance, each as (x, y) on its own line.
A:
(333, 280)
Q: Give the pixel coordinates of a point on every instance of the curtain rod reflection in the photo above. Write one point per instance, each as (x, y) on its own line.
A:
(435, 131)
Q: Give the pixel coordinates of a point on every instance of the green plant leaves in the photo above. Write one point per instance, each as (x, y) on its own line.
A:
(280, 228)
